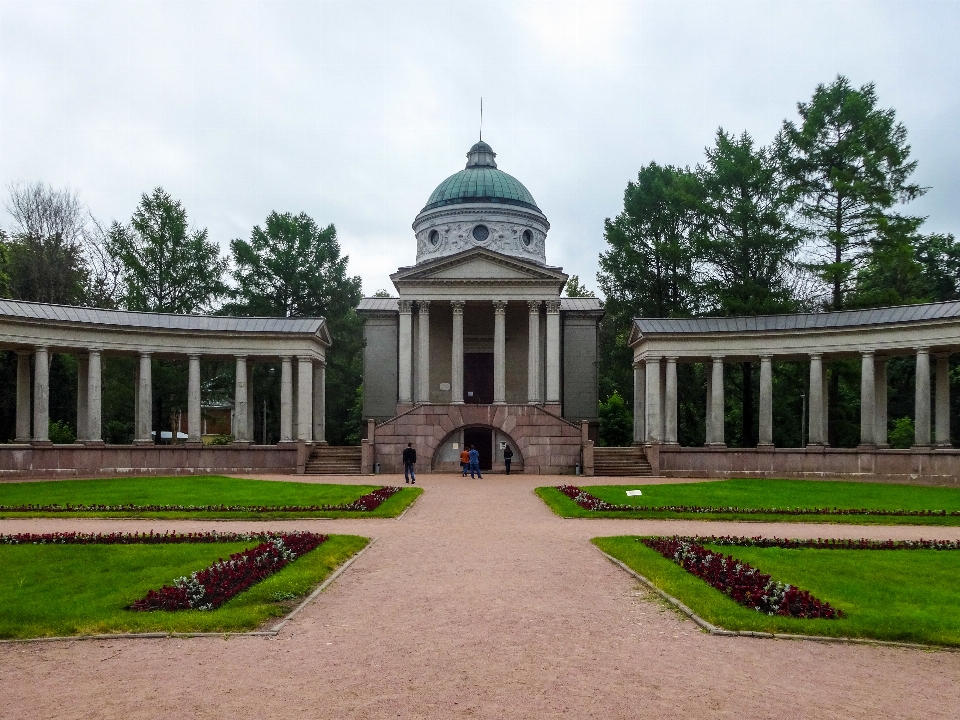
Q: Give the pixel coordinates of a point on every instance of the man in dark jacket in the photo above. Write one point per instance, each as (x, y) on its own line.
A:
(409, 460)
(507, 457)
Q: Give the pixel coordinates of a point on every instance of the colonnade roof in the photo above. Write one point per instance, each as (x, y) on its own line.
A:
(162, 321)
(886, 331)
(68, 328)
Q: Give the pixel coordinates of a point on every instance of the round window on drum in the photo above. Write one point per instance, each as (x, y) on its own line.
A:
(481, 233)
(434, 238)
(527, 238)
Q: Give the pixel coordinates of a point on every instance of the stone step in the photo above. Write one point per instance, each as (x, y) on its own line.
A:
(333, 460)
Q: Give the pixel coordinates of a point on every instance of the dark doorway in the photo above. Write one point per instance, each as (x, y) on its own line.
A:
(482, 440)
(478, 378)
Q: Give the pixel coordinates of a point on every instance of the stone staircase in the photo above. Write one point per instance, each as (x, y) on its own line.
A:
(333, 460)
(620, 462)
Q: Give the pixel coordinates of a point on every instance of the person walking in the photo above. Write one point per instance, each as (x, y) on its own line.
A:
(409, 460)
(465, 460)
(507, 457)
(475, 462)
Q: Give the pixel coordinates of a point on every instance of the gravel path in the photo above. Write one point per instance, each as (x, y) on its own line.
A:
(479, 603)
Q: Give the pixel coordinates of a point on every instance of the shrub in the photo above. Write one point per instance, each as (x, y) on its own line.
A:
(903, 433)
(61, 433)
(221, 440)
(616, 422)
(117, 432)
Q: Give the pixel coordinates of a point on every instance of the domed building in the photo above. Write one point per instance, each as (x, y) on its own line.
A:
(480, 349)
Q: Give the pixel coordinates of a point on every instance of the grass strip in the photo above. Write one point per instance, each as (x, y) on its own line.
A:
(53, 589)
(209, 496)
(772, 500)
(900, 595)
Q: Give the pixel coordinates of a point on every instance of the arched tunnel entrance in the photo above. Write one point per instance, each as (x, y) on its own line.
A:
(489, 441)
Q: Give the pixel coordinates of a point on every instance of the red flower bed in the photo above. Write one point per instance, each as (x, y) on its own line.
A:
(365, 503)
(826, 543)
(210, 588)
(741, 581)
(150, 538)
(591, 502)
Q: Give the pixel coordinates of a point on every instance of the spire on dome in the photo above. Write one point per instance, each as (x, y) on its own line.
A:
(481, 155)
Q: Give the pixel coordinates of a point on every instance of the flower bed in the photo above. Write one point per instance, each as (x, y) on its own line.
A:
(825, 543)
(365, 503)
(591, 502)
(209, 588)
(741, 581)
(150, 538)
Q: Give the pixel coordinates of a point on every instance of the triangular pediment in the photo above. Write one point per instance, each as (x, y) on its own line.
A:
(479, 264)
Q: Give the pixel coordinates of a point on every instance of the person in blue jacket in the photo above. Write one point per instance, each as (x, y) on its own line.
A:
(475, 462)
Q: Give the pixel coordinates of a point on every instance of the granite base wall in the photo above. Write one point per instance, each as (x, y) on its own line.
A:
(921, 467)
(65, 461)
(547, 443)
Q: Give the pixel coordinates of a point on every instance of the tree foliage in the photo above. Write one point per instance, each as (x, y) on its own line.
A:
(164, 266)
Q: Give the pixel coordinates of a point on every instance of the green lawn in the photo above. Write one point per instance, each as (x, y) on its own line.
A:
(197, 490)
(769, 494)
(55, 590)
(900, 595)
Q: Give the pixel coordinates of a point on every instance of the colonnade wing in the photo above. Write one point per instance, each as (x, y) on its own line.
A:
(41, 330)
(870, 336)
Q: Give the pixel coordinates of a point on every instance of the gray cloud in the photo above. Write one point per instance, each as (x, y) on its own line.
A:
(354, 111)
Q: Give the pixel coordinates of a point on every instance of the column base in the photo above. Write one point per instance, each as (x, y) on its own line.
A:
(944, 446)
(286, 443)
(144, 442)
(499, 402)
(717, 445)
(458, 402)
(241, 442)
(866, 447)
(765, 446)
(883, 446)
(817, 446)
(41, 443)
(924, 448)
(93, 443)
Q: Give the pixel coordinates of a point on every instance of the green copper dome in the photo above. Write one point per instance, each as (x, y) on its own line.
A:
(481, 182)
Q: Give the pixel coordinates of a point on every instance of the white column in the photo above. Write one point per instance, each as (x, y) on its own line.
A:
(41, 394)
(305, 400)
(286, 399)
(716, 401)
(639, 401)
(533, 353)
(83, 378)
(815, 413)
(499, 352)
(943, 400)
(765, 436)
(708, 415)
(144, 402)
(921, 421)
(250, 401)
(94, 382)
(240, 431)
(826, 406)
(23, 396)
(320, 402)
(880, 401)
(294, 401)
(652, 385)
(423, 332)
(670, 403)
(405, 353)
(868, 399)
(553, 351)
(194, 431)
(456, 354)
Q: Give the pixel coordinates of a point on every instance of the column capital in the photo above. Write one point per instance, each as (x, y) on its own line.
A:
(305, 358)
(193, 356)
(867, 353)
(815, 355)
(671, 358)
(534, 306)
(423, 307)
(717, 358)
(285, 358)
(457, 306)
(145, 353)
(94, 351)
(553, 307)
(406, 306)
(240, 356)
(637, 364)
(652, 358)
(499, 307)
(922, 350)
(766, 357)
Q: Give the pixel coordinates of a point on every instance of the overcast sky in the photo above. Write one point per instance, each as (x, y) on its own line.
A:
(354, 111)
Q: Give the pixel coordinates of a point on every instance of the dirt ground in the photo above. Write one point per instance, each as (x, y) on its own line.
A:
(479, 603)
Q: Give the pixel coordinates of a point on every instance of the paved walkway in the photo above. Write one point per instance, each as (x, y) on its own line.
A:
(480, 603)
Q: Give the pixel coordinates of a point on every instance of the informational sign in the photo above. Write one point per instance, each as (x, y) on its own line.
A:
(503, 445)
